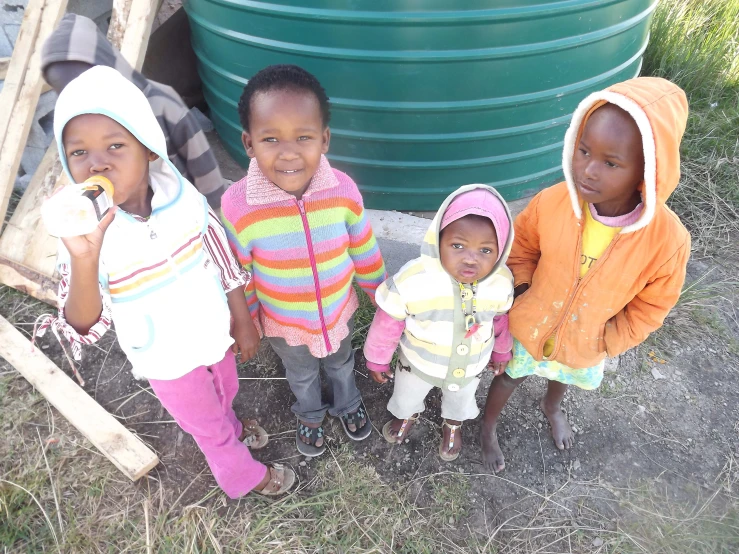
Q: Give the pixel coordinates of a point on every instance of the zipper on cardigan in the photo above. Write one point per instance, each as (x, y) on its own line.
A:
(313, 267)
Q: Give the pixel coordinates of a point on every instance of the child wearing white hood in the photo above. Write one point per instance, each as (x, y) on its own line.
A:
(159, 266)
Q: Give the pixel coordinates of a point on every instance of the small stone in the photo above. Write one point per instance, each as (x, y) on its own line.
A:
(576, 465)
(539, 425)
(642, 409)
(598, 542)
(302, 464)
(656, 374)
(678, 372)
(407, 441)
(559, 468)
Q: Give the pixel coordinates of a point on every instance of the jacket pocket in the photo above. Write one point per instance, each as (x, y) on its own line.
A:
(422, 349)
(149, 334)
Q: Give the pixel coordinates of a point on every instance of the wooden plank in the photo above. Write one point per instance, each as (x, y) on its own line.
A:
(24, 105)
(19, 62)
(29, 281)
(117, 443)
(138, 28)
(4, 63)
(25, 241)
(118, 20)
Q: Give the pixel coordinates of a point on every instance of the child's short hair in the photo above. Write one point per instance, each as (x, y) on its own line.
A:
(282, 77)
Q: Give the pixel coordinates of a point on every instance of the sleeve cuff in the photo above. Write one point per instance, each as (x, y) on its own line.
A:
(379, 368)
(498, 357)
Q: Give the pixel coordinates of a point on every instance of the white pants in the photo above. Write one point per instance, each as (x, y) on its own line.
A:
(410, 392)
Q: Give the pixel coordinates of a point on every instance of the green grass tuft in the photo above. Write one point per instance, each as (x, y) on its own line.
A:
(695, 44)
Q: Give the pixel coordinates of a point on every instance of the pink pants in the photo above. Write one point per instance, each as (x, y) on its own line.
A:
(200, 402)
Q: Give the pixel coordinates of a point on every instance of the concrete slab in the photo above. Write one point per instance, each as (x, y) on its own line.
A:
(11, 11)
(11, 32)
(6, 47)
(31, 159)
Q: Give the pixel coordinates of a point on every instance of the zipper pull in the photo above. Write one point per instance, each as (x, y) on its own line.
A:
(301, 207)
(152, 233)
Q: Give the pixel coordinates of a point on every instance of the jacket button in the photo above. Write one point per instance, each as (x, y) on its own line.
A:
(454, 387)
(462, 349)
(458, 373)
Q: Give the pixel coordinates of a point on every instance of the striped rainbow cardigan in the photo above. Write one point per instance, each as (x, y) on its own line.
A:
(303, 255)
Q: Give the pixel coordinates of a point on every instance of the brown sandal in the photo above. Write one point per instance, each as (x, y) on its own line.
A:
(444, 452)
(253, 435)
(397, 438)
(281, 479)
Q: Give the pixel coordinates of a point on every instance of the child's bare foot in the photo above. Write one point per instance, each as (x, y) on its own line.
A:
(561, 430)
(396, 430)
(492, 455)
(451, 440)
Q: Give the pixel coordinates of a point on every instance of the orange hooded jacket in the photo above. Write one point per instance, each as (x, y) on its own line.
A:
(630, 290)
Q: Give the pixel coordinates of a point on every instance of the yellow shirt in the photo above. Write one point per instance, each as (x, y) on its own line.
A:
(595, 239)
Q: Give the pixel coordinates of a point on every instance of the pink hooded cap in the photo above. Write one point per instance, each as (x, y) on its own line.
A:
(484, 203)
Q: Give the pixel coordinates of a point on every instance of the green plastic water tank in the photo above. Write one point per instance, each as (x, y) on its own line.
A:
(428, 95)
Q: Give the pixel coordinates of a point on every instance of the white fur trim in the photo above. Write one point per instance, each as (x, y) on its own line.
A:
(650, 156)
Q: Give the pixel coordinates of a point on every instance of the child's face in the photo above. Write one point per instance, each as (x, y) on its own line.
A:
(287, 137)
(608, 164)
(96, 145)
(469, 248)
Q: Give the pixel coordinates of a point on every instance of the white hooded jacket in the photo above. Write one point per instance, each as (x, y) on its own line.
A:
(166, 299)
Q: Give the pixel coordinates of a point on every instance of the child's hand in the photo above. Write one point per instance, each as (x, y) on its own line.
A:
(88, 246)
(381, 377)
(246, 338)
(497, 367)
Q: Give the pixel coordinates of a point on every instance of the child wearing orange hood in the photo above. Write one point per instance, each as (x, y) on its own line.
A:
(598, 260)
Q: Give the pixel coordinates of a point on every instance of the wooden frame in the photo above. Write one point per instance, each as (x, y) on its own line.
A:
(27, 252)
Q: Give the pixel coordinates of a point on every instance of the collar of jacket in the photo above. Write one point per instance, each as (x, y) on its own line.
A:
(260, 190)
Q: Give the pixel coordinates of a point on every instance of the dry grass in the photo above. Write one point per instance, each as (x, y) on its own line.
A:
(59, 495)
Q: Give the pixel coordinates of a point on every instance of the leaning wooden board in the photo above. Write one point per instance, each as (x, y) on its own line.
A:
(27, 252)
(117, 443)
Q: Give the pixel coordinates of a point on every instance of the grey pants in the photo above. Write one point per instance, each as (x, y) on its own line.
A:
(304, 376)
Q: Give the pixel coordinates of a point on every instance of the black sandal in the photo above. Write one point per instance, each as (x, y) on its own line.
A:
(355, 418)
(312, 434)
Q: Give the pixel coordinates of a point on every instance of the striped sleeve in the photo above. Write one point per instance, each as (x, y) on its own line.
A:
(365, 252)
(190, 143)
(390, 301)
(96, 331)
(244, 258)
(231, 273)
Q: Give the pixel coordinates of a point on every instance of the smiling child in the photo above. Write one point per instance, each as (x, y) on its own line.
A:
(299, 227)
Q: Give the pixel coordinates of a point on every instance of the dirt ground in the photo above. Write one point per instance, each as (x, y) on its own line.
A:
(674, 423)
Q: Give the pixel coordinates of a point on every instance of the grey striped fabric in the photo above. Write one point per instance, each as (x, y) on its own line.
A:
(77, 38)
